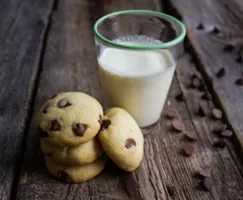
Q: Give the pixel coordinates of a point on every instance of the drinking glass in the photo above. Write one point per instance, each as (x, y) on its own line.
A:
(137, 53)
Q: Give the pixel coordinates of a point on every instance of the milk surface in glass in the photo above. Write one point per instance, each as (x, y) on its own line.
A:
(137, 80)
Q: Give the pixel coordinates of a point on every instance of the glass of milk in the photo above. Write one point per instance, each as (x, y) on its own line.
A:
(137, 53)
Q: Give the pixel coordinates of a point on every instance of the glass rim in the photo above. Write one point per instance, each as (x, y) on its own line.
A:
(171, 43)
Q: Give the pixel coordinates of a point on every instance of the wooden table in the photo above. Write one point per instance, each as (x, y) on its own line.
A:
(47, 46)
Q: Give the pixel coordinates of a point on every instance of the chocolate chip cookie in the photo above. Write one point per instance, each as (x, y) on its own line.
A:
(122, 139)
(76, 174)
(82, 154)
(69, 119)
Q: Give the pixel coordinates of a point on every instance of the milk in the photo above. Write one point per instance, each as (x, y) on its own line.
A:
(137, 81)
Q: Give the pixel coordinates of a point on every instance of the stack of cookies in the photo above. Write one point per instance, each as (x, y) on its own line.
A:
(76, 137)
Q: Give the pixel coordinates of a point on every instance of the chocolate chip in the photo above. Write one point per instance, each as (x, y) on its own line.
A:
(203, 173)
(200, 26)
(53, 96)
(79, 129)
(221, 73)
(188, 149)
(105, 124)
(171, 190)
(129, 143)
(191, 136)
(63, 176)
(202, 87)
(201, 111)
(217, 114)
(219, 144)
(239, 81)
(100, 120)
(45, 109)
(63, 103)
(229, 48)
(206, 96)
(178, 126)
(180, 97)
(239, 59)
(195, 83)
(193, 76)
(226, 133)
(172, 113)
(219, 128)
(206, 184)
(215, 30)
(42, 133)
(55, 125)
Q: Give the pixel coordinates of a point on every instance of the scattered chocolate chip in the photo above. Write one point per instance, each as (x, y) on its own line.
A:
(202, 87)
(188, 149)
(203, 173)
(105, 124)
(129, 143)
(63, 176)
(193, 76)
(195, 83)
(206, 184)
(100, 119)
(219, 144)
(215, 30)
(79, 129)
(239, 81)
(217, 114)
(200, 26)
(201, 111)
(42, 133)
(191, 136)
(45, 109)
(220, 128)
(63, 103)
(180, 97)
(229, 48)
(53, 96)
(55, 125)
(221, 73)
(178, 126)
(226, 133)
(171, 190)
(172, 113)
(206, 96)
(239, 59)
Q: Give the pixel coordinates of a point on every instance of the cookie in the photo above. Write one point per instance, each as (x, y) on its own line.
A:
(122, 139)
(69, 119)
(78, 173)
(82, 154)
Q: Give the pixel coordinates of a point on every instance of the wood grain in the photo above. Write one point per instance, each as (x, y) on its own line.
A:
(226, 16)
(23, 25)
(70, 64)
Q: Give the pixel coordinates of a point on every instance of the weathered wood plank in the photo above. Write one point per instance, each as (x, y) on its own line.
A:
(70, 64)
(227, 17)
(23, 25)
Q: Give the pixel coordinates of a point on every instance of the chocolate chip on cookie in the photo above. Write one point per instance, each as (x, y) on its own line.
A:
(45, 109)
(105, 124)
(79, 129)
(55, 125)
(63, 103)
(63, 176)
(42, 133)
(129, 143)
